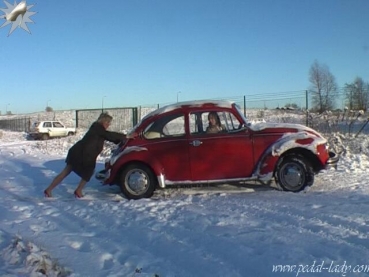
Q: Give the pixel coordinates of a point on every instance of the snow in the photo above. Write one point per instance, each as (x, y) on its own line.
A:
(258, 126)
(197, 103)
(211, 231)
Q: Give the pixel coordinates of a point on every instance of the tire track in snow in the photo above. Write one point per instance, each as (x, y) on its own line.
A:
(346, 231)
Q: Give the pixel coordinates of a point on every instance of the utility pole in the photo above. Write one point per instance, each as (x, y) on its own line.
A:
(47, 104)
(307, 108)
(102, 103)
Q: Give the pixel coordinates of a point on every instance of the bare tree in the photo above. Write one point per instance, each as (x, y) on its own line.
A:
(323, 87)
(48, 109)
(357, 94)
(292, 105)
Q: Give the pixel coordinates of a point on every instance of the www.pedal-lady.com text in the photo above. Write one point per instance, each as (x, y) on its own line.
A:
(322, 267)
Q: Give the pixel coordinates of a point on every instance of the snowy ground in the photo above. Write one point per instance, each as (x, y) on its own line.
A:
(183, 232)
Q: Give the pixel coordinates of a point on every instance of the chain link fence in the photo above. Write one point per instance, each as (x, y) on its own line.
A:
(16, 124)
(22, 123)
(123, 118)
(291, 107)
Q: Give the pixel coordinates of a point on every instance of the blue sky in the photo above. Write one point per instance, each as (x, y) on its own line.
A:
(143, 52)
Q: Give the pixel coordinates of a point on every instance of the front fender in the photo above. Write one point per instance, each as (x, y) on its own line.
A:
(130, 155)
(267, 163)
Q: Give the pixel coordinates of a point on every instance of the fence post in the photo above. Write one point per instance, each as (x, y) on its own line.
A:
(28, 128)
(76, 124)
(307, 108)
(244, 105)
(134, 116)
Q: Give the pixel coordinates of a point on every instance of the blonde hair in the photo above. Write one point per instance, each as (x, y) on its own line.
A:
(105, 117)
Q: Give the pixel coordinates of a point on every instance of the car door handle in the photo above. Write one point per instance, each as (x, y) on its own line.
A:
(196, 143)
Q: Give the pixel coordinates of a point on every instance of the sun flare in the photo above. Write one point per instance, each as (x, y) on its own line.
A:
(18, 15)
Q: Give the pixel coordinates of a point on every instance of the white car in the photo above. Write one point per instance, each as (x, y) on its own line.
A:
(50, 129)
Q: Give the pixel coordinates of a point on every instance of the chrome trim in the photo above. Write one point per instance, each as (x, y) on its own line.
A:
(161, 180)
(169, 183)
(196, 142)
(333, 160)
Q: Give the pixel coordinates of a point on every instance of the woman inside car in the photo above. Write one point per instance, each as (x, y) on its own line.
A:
(214, 123)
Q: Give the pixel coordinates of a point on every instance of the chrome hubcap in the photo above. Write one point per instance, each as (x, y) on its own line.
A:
(137, 182)
(292, 175)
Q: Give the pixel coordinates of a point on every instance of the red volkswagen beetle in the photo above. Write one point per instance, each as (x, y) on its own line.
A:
(173, 145)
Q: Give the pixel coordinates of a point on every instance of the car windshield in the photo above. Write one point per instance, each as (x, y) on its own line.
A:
(133, 130)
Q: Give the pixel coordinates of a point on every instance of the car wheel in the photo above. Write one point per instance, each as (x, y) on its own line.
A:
(294, 173)
(70, 133)
(137, 181)
(45, 136)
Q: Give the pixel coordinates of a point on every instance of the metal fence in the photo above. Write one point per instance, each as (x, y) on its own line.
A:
(123, 118)
(271, 108)
(21, 124)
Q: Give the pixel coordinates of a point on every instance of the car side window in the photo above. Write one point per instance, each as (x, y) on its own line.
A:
(196, 125)
(57, 125)
(47, 124)
(200, 124)
(168, 126)
(230, 121)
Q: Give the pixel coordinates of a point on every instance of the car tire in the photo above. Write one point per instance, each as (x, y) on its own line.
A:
(45, 136)
(70, 133)
(137, 181)
(294, 173)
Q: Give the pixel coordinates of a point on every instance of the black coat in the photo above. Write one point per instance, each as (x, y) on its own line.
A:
(82, 156)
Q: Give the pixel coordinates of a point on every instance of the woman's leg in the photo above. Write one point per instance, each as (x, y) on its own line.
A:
(57, 180)
(78, 191)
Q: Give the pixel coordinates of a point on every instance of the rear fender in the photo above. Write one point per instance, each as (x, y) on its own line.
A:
(267, 163)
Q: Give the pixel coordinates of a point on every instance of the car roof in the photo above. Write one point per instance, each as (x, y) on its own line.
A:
(43, 121)
(197, 103)
(49, 121)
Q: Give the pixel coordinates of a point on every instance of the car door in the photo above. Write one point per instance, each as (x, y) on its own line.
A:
(224, 155)
(59, 129)
(167, 145)
(48, 128)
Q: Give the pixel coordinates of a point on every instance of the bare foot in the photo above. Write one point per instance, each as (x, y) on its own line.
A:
(47, 193)
(78, 194)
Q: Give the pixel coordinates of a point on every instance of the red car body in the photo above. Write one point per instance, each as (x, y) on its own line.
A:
(170, 146)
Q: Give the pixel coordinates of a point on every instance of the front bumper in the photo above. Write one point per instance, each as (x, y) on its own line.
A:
(103, 175)
(100, 175)
(35, 135)
(333, 160)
